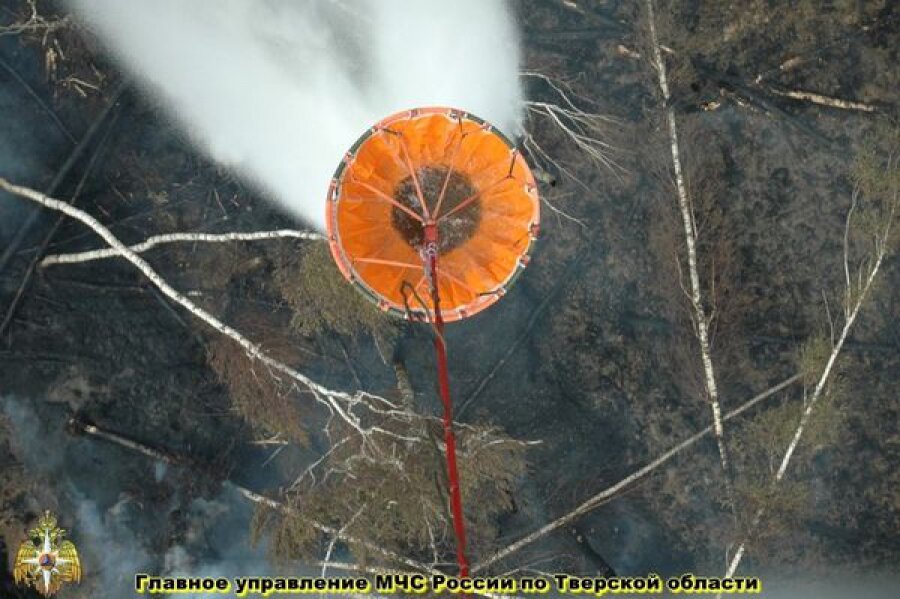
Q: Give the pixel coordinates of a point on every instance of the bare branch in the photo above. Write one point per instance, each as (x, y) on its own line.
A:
(335, 538)
(35, 22)
(621, 486)
(583, 129)
(337, 402)
(867, 273)
(821, 100)
(151, 242)
(253, 496)
(854, 200)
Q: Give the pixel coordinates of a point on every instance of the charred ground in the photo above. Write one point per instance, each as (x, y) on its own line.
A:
(592, 352)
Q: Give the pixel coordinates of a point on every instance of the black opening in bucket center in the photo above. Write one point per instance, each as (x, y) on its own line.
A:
(455, 226)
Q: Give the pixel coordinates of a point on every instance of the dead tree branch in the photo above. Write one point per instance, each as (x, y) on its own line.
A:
(584, 129)
(821, 100)
(175, 460)
(856, 290)
(151, 242)
(623, 485)
(338, 403)
(34, 22)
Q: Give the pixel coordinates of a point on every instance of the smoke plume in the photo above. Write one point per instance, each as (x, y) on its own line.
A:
(100, 491)
(280, 89)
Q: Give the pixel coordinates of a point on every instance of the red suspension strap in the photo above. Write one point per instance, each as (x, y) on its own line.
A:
(430, 253)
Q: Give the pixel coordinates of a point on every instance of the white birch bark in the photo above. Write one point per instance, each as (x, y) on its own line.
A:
(701, 320)
(821, 100)
(151, 242)
(853, 302)
(610, 492)
(338, 402)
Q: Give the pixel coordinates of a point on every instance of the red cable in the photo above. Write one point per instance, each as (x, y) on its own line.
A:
(459, 525)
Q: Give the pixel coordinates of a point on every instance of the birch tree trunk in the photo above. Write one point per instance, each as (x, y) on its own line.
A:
(853, 302)
(611, 492)
(700, 317)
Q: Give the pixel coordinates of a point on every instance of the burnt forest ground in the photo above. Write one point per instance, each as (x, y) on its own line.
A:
(604, 373)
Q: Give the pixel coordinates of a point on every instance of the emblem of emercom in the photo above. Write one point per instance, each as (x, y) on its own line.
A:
(47, 560)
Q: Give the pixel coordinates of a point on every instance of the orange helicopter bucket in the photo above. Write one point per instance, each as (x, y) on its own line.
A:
(437, 166)
(432, 214)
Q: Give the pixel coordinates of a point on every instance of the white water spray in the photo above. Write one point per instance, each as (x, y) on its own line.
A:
(279, 89)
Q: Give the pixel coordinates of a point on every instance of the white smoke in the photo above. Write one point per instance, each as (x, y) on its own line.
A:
(280, 89)
(91, 487)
